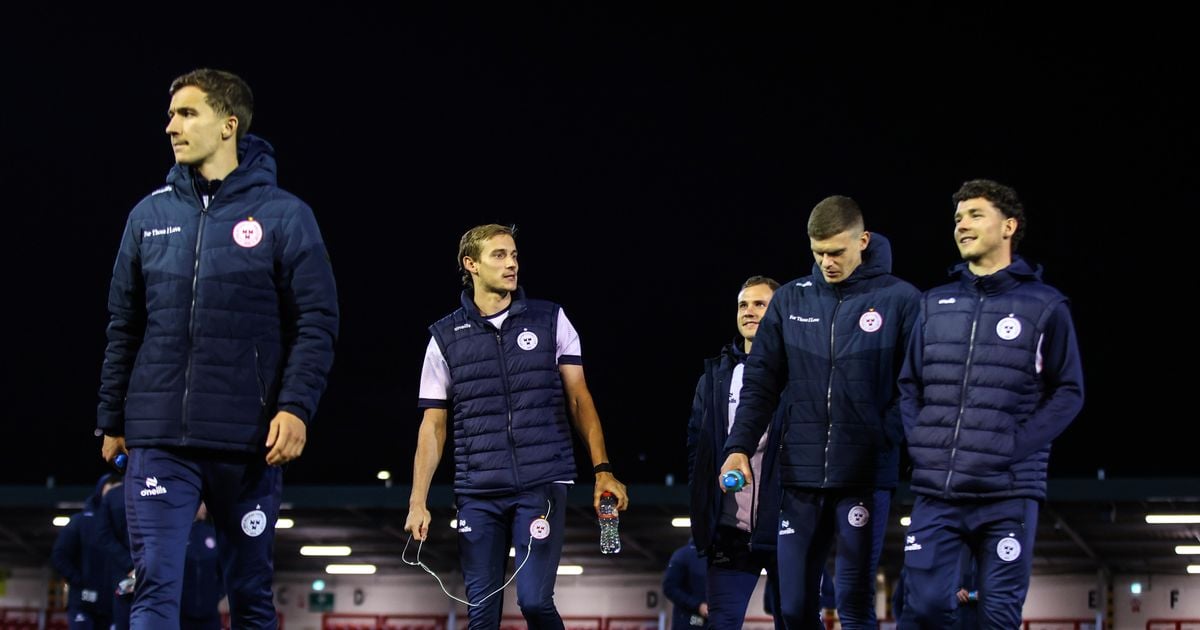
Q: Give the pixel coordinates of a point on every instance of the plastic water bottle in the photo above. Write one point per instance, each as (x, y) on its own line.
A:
(126, 585)
(733, 481)
(610, 536)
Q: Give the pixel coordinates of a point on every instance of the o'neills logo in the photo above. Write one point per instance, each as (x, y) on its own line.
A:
(152, 487)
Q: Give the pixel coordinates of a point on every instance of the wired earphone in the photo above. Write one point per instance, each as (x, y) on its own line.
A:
(539, 529)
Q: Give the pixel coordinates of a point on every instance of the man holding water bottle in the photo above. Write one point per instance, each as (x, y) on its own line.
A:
(735, 530)
(826, 355)
(506, 370)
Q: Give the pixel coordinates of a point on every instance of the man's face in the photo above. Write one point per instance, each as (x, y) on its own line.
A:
(496, 269)
(752, 305)
(839, 255)
(196, 130)
(981, 229)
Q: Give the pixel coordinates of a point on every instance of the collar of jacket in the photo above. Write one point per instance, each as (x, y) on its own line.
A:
(516, 307)
(256, 167)
(734, 352)
(877, 261)
(1017, 272)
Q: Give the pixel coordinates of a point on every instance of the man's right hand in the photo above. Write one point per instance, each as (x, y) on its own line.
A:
(113, 445)
(736, 461)
(417, 522)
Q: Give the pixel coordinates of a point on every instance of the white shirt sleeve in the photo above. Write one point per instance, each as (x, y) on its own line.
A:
(567, 347)
(435, 376)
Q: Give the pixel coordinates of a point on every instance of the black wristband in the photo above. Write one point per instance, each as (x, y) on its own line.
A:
(599, 468)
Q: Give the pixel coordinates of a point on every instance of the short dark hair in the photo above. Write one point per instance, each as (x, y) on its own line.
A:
(1003, 197)
(834, 215)
(471, 245)
(757, 280)
(225, 92)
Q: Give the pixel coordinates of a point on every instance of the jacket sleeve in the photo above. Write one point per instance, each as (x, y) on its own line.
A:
(126, 328)
(893, 426)
(762, 380)
(675, 583)
(309, 314)
(67, 552)
(695, 424)
(1062, 377)
(912, 396)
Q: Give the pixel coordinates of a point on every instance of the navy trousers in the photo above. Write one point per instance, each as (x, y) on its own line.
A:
(163, 489)
(487, 527)
(808, 524)
(999, 533)
(733, 572)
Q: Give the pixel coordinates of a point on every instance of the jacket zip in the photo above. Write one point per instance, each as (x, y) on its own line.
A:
(829, 389)
(962, 404)
(187, 373)
(512, 442)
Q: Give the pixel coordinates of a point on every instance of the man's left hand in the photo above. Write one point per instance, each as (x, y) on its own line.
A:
(606, 482)
(285, 438)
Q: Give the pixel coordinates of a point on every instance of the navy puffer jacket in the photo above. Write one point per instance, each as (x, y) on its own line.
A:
(992, 376)
(219, 316)
(828, 354)
(506, 398)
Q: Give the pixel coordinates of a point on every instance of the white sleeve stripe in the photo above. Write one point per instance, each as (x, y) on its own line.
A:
(1037, 362)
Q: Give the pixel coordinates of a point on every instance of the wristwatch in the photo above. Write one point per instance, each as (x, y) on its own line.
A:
(599, 468)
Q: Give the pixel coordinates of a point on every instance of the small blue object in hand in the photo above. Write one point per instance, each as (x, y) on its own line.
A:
(119, 462)
(733, 481)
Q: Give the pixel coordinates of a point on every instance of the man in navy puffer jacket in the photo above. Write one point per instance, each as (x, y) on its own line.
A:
(828, 352)
(223, 320)
(506, 371)
(991, 377)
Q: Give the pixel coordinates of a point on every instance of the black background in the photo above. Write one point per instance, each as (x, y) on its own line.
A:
(652, 159)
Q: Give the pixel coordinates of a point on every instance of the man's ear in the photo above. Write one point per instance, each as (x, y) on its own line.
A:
(229, 129)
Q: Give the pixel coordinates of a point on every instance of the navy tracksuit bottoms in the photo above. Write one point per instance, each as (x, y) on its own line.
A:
(999, 533)
(163, 490)
(809, 521)
(487, 527)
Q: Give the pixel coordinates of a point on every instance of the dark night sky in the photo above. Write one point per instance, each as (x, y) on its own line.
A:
(652, 160)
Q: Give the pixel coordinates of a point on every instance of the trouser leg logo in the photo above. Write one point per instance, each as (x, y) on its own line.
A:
(254, 523)
(1008, 549)
(858, 516)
